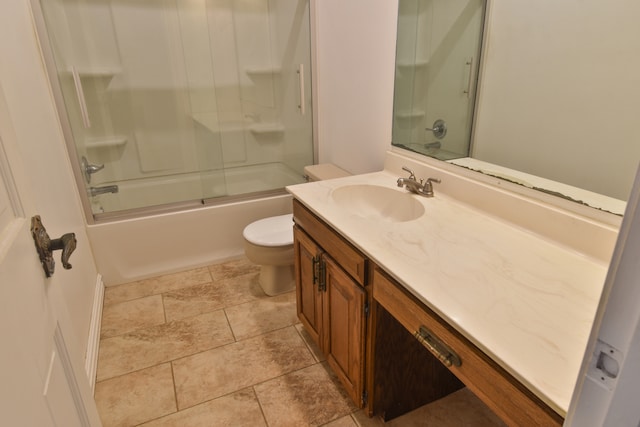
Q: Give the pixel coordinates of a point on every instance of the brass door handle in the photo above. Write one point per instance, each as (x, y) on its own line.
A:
(45, 246)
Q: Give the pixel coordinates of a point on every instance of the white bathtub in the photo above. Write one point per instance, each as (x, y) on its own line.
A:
(133, 249)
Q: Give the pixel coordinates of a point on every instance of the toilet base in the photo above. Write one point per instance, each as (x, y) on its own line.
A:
(277, 279)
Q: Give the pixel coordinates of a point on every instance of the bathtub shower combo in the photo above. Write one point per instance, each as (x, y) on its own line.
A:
(167, 104)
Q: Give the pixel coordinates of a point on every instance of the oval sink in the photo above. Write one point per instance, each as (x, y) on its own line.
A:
(376, 202)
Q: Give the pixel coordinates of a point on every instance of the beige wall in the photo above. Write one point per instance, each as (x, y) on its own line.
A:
(355, 68)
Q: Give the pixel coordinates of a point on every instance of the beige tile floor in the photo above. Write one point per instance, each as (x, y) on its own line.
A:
(207, 347)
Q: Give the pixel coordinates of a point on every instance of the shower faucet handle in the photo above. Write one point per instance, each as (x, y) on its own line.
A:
(88, 169)
(94, 168)
(439, 129)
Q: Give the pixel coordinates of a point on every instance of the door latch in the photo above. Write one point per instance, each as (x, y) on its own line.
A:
(45, 246)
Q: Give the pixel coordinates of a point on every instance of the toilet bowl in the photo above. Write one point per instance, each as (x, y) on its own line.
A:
(269, 242)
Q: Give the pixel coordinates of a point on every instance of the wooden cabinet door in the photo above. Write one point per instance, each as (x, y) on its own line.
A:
(344, 328)
(309, 297)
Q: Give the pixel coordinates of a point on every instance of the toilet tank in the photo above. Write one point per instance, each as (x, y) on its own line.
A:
(323, 171)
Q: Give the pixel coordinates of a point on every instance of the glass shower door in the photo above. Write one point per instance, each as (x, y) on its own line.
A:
(258, 63)
(181, 101)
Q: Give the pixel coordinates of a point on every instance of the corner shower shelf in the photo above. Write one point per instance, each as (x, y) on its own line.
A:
(266, 128)
(114, 141)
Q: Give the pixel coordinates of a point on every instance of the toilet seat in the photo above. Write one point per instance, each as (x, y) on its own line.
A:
(270, 232)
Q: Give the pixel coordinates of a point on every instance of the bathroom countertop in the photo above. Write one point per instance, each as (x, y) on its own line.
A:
(525, 300)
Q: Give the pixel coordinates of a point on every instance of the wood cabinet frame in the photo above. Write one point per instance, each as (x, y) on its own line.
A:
(332, 303)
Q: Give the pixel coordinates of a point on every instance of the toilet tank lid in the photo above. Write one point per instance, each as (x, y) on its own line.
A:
(272, 231)
(324, 171)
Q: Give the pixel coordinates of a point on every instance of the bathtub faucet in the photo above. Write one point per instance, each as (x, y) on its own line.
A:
(94, 191)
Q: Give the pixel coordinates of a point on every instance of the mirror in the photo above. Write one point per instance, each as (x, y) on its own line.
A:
(556, 100)
(437, 57)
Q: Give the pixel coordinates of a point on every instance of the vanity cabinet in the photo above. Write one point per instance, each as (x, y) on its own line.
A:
(391, 351)
(393, 308)
(332, 302)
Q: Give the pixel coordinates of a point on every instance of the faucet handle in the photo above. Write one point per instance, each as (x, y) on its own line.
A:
(89, 169)
(427, 188)
(411, 174)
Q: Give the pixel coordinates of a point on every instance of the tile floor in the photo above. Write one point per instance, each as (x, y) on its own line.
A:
(207, 347)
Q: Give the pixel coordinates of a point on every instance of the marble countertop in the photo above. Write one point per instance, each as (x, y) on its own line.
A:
(526, 301)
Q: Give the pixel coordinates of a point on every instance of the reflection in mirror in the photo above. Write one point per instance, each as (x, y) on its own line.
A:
(557, 98)
(437, 59)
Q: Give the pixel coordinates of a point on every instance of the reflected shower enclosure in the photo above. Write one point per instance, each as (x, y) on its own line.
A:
(180, 100)
(437, 62)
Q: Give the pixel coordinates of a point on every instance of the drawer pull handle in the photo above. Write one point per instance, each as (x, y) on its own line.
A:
(442, 351)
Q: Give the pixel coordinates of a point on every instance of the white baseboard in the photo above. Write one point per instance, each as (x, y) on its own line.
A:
(91, 359)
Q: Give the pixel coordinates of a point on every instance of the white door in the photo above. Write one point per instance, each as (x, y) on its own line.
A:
(42, 383)
(609, 384)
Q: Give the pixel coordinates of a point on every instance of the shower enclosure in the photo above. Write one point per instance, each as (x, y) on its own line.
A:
(170, 103)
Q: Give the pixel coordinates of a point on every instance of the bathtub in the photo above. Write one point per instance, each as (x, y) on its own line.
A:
(136, 248)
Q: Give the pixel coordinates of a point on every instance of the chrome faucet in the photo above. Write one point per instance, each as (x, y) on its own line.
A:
(94, 191)
(411, 184)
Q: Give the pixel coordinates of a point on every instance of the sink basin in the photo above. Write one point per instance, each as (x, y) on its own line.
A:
(379, 203)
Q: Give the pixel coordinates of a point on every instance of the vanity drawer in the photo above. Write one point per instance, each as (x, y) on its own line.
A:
(349, 258)
(508, 398)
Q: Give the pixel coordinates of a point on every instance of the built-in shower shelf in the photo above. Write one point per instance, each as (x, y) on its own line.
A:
(114, 141)
(212, 122)
(208, 120)
(266, 128)
(262, 72)
(98, 72)
(412, 64)
(410, 114)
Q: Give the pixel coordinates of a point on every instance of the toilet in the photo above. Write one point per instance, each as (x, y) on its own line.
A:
(268, 242)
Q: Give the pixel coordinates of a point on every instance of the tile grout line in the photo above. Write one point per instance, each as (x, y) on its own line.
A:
(264, 416)
(235, 340)
(252, 386)
(140, 283)
(175, 389)
(164, 308)
(240, 341)
(133, 372)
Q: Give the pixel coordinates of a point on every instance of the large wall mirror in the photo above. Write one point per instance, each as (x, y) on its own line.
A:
(437, 57)
(556, 102)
